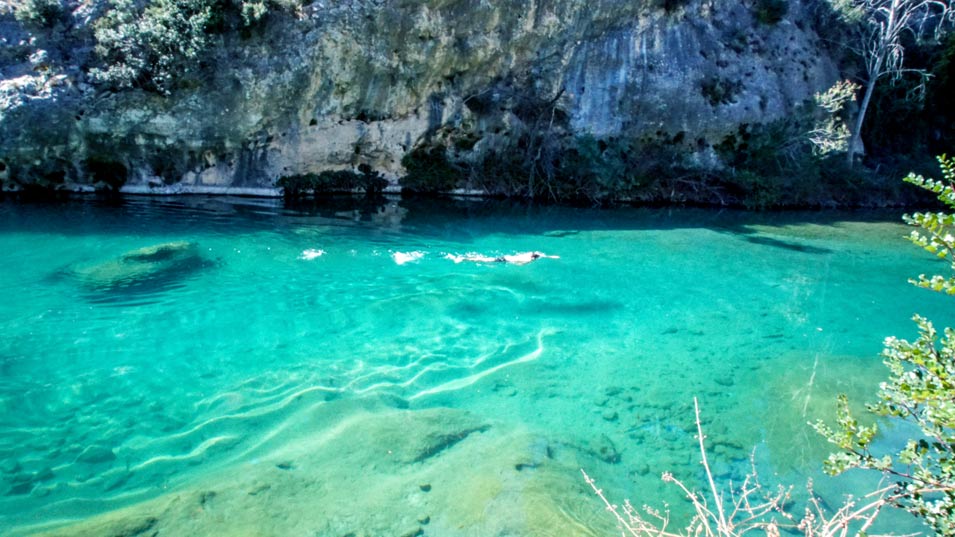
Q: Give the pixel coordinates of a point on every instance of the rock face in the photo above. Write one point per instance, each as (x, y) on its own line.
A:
(336, 84)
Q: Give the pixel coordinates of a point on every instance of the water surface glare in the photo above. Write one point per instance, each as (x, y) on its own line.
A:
(230, 367)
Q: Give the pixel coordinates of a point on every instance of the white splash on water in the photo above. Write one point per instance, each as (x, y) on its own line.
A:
(406, 257)
(311, 253)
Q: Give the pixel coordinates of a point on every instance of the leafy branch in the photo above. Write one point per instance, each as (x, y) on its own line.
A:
(920, 389)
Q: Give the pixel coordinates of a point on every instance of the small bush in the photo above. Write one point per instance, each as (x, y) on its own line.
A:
(329, 182)
(771, 11)
(153, 48)
(429, 170)
(44, 13)
(252, 11)
(719, 90)
(158, 46)
(758, 192)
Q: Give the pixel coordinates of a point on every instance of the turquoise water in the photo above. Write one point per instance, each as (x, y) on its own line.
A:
(274, 372)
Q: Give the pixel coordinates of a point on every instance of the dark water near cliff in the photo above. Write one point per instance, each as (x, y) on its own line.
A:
(228, 366)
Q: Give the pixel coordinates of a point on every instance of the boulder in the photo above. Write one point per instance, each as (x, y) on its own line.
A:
(147, 267)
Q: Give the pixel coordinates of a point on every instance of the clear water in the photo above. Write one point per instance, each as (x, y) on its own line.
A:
(256, 390)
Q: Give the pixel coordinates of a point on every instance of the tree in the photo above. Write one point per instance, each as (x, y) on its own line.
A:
(883, 25)
(920, 389)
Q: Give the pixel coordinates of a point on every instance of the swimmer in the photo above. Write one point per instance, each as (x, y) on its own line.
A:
(311, 253)
(522, 258)
(406, 257)
(477, 258)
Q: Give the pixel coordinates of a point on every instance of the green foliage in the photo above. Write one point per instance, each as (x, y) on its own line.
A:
(430, 171)
(329, 182)
(252, 11)
(847, 11)
(830, 133)
(771, 11)
(910, 117)
(936, 235)
(759, 192)
(919, 390)
(718, 90)
(159, 45)
(590, 170)
(154, 47)
(600, 167)
(772, 164)
(45, 13)
(900, 120)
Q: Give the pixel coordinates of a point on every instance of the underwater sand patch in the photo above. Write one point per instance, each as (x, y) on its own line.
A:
(376, 472)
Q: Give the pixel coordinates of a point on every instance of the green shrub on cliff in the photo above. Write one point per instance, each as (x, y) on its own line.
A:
(254, 11)
(430, 170)
(151, 48)
(296, 187)
(771, 11)
(159, 45)
(44, 13)
(919, 390)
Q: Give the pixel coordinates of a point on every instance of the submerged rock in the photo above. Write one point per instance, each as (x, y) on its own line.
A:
(96, 455)
(160, 252)
(24, 483)
(149, 267)
(10, 466)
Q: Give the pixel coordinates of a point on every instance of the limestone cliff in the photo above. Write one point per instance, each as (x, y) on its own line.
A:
(334, 84)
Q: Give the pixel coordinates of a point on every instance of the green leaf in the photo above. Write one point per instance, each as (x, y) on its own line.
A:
(920, 389)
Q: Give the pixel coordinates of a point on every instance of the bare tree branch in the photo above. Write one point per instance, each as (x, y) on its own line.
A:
(885, 22)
